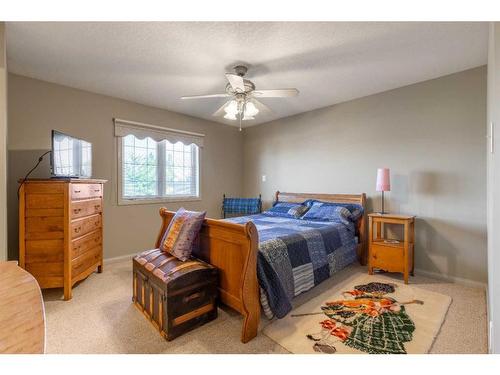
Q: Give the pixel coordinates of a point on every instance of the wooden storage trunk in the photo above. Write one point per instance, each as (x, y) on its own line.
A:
(176, 296)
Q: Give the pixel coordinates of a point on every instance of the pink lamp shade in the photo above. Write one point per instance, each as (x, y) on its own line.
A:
(383, 180)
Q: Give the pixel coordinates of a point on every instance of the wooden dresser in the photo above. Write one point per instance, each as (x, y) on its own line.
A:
(60, 230)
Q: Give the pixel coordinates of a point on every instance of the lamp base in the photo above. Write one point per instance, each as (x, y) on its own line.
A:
(383, 211)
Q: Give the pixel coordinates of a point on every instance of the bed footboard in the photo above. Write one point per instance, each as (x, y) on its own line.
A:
(232, 248)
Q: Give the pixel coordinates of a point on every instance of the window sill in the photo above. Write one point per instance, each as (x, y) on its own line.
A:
(127, 202)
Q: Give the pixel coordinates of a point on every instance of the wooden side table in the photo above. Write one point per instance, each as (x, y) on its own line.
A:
(388, 254)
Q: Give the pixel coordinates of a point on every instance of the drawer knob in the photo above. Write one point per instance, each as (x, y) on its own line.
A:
(78, 191)
(97, 206)
(78, 229)
(97, 190)
(77, 210)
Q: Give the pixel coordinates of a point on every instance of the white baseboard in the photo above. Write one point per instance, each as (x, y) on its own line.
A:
(120, 258)
(452, 279)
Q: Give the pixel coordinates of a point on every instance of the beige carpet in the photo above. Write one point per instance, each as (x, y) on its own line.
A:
(101, 319)
(409, 322)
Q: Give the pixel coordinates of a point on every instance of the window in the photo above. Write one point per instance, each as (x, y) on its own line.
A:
(152, 169)
(140, 167)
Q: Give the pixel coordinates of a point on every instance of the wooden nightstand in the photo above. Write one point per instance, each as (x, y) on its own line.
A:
(387, 254)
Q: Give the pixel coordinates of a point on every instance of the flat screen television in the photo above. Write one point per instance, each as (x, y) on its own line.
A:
(70, 156)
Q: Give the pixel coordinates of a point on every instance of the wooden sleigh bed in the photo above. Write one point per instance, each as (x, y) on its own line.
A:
(232, 248)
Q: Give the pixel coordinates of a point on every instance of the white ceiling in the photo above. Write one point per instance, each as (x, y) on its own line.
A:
(156, 63)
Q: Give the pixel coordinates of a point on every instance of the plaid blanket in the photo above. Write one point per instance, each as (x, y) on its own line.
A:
(247, 206)
(295, 255)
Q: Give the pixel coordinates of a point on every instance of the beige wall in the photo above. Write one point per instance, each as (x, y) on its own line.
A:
(37, 107)
(3, 144)
(433, 137)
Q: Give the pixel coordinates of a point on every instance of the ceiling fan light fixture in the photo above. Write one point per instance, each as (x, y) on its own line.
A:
(230, 116)
(250, 110)
(231, 110)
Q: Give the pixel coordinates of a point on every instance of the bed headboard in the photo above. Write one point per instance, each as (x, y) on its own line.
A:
(336, 198)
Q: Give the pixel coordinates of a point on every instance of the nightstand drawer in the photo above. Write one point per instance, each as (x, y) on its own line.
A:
(387, 257)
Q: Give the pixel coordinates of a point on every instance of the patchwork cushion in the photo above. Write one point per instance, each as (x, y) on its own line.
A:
(281, 209)
(181, 233)
(328, 212)
(298, 211)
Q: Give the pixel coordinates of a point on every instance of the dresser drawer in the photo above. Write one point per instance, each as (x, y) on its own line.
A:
(85, 261)
(86, 225)
(85, 208)
(85, 191)
(386, 257)
(85, 243)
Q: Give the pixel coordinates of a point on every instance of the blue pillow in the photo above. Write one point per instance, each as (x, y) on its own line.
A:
(356, 210)
(287, 209)
(326, 212)
(298, 211)
(341, 212)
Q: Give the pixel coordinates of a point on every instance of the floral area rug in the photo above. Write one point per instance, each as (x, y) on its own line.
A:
(367, 314)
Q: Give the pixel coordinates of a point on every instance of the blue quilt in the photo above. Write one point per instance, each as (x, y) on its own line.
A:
(295, 255)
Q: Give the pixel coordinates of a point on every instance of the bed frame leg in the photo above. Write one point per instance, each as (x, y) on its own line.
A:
(250, 288)
(250, 325)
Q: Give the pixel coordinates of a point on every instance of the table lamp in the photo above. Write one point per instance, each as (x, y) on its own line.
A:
(383, 183)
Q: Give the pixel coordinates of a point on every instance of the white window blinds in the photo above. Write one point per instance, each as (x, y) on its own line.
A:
(156, 163)
(158, 133)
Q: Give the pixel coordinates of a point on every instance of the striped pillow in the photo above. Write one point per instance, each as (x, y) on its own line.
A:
(181, 233)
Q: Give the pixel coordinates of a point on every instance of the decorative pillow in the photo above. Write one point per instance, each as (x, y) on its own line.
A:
(356, 210)
(298, 211)
(334, 212)
(181, 233)
(281, 209)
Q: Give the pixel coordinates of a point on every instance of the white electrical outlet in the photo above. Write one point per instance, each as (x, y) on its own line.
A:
(264, 178)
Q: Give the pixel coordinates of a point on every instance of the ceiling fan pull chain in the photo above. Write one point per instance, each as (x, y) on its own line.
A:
(242, 113)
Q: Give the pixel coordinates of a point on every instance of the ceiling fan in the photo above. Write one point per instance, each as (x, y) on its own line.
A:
(243, 104)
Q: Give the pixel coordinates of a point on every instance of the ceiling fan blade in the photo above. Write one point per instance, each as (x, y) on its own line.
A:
(205, 96)
(261, 106)
(277, 93)
(221, 111)
(236, 82)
